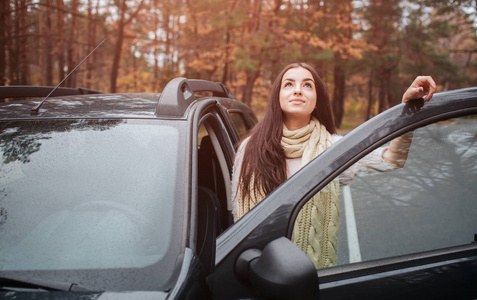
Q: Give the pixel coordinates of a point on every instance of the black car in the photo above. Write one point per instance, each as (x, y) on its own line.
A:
(128, 196)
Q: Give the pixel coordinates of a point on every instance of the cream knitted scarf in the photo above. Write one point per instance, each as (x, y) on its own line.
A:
(316, 227)
(317, 224)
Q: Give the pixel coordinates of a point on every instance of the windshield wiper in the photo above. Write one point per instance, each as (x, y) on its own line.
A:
(34, 283)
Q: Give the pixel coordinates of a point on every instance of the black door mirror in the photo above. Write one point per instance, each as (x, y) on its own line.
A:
(280, 271)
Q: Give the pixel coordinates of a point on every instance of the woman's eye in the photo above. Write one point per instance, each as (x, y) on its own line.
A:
(308, 85)
(288, 84)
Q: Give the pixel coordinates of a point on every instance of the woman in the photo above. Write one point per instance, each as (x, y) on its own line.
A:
(298, 125)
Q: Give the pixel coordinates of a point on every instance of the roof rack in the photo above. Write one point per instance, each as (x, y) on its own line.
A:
(179, 94)
(27, 91)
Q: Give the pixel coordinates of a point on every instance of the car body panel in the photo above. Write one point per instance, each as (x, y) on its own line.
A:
(438, 274)
(85, 106)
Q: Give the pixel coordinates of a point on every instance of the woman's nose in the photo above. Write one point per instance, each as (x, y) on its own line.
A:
(297, 90)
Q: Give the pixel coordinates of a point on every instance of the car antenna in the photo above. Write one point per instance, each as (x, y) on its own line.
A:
(35, 110)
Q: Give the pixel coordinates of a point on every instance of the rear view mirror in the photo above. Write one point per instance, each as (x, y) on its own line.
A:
(280, 271)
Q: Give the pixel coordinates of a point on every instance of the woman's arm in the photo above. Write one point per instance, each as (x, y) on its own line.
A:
(398, 150)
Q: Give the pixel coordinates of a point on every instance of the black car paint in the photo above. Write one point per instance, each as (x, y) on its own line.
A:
(449, 273)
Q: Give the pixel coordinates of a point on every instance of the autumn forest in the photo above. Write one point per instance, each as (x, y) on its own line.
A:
(367, 52)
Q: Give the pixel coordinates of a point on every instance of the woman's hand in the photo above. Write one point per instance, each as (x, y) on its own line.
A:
(421, 86)
(398, 150)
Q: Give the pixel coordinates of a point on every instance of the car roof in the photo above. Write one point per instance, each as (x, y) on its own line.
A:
(173, 102)
(90, 106)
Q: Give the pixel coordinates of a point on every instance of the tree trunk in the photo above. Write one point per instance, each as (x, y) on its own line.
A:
(385, 93)
(122, 22)
(23, 49)
(382, 92)
(46, 60)
(4, 30)
(118, 48)
(370, 94)
(91, 44)
(155, 43)
(339, 91)
(49, 58)
(60, 51)
(228, 46)
(225, 72)
(168, 42)
(248, 89)
(71, 81)
(391, 101)
(13, 52)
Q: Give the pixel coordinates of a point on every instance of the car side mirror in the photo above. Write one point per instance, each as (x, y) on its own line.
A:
(280, 271)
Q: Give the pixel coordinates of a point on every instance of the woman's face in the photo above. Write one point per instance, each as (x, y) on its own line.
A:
(297, 95)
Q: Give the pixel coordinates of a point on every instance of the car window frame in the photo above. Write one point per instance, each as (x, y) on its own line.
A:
(209, 110)
(220, 143)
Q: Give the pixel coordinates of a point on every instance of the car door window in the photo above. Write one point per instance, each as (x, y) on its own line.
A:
(238, 120)
(427, 204)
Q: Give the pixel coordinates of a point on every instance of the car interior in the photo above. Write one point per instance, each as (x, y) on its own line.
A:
(214, 206)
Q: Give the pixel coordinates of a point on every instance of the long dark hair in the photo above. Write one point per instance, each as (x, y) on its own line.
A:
(264, 158)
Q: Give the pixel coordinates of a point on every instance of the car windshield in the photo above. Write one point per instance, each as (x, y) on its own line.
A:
(87, 195)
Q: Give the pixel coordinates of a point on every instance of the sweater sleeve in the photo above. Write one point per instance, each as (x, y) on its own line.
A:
(370, 163)
(236, 175)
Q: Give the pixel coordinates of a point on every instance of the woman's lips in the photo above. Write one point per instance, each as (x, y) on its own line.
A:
(297, 101)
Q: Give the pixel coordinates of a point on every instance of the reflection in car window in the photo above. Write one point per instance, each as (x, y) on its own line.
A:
(239, 123)
(85, 194)
(428, 204)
